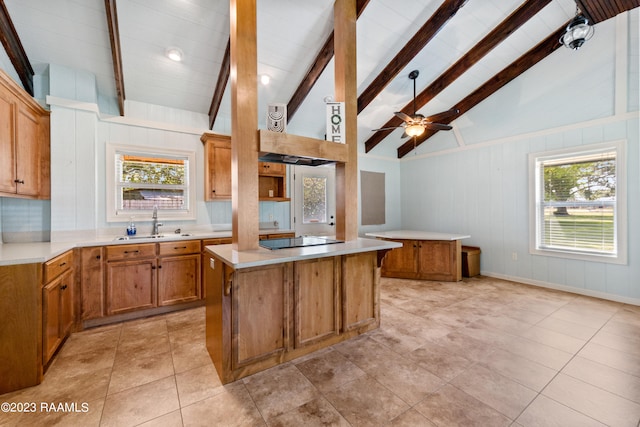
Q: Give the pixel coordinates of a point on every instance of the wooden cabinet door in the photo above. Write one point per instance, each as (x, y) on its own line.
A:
(92, 282)
(51, 339)
(360, 303)
(268, 168)
(131, 285)
(316, 300)
(66, 304)
(178, 279)
(57, 313)
(217, 166)
(436, 259)
(401, 262)
(7, 146)
(27, 153)
(259, 314)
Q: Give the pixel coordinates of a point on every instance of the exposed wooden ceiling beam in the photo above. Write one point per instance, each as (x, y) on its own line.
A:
(116, 53)
(314, 72)
(440, 17)
(601, 10)
(223, 78)
(15, 50)
(519, 66)
(514, 21)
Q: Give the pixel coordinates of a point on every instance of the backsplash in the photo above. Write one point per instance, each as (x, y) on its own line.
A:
(23, 220)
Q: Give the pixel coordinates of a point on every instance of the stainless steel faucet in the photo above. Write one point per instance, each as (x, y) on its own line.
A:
(155, 224)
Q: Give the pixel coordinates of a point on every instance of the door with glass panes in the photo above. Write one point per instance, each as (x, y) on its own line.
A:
(314, 200)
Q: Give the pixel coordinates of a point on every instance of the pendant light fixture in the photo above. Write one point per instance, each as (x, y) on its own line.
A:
(578, 31)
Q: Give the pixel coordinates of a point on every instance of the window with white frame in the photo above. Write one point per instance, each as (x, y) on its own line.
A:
(141, 178)
(579, 203)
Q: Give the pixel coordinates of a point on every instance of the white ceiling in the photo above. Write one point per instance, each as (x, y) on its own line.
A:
(74, 33)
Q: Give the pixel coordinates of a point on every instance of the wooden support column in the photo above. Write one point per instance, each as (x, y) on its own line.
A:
(244, 125)
(344, 17)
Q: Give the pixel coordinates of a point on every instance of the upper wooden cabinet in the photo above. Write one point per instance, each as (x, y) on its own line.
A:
(272, 177)
(217, 166)
(24, 144)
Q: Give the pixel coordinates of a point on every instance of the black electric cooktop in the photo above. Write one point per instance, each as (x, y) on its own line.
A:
(297, 242)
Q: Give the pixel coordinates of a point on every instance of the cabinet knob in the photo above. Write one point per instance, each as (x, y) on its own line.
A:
(19, 181)
(97, 256)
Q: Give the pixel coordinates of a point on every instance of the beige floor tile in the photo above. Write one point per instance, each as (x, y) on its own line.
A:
(439, 360)
(626, 344)
(623, 361)
(102, 339)
(592, 401)
(405, 379)
(554, 339)
(605, 377)
(450, 406)
(82, 387)
(623, 328)
(143, 328)
(365, 352)
(537, 352)
(524, 371)
(545, 412)
(189, 356)
(505, 323)
(132, 371)
(469, 347)
(146, 346)
(315, 413)
(527, 316)
(233, 408)
(329, 370)
(81, 363)
(504, 395)
(172, 419)
(280, 389)
(575, 330)
(366, 402)
(582, 316)
(140, 404)
(410, 418)
(198, 384)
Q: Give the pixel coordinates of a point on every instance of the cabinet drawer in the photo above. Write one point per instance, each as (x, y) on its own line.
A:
(217, 241)
(179, 247)
(131, 251)
(58, 265)
(91, 257)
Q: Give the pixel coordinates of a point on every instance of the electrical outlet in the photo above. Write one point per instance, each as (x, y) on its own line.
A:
(514, 256)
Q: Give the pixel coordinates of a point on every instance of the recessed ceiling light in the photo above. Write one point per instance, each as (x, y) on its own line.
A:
(265, 79)
(174, 54)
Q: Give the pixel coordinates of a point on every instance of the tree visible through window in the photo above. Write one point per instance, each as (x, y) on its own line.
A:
(314, 208)
(577, 202)
(145, 182)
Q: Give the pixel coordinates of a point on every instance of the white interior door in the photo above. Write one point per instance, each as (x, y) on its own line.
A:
(314, 200)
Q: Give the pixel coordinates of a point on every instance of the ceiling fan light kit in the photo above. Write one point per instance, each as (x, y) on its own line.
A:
(578, 31)
(416, 124)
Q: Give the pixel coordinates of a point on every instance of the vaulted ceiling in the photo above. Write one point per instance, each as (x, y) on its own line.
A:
(464, 50)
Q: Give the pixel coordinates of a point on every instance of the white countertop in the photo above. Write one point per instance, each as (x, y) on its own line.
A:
(39, 252)
(261, 256)
(417, 235)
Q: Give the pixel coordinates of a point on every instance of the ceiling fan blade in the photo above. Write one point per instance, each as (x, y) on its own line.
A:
(437, 126)
(391, 128)
(403, 116)
(442, 116)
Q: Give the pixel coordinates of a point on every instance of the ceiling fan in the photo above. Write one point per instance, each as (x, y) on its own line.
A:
(415, 125)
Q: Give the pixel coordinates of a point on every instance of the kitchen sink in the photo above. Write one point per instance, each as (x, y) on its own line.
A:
(154, 236)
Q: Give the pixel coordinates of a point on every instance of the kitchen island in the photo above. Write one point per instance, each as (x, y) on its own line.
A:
(424, 255)
(266, 307)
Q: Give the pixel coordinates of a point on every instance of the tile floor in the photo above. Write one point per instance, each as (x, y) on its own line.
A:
(482, 352)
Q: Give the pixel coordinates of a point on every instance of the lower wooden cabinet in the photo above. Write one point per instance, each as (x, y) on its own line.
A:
(131, 285)
(57, 304)
(92, 283)
(425, 259)
(179, 272)
(260, 301)
(260, 317)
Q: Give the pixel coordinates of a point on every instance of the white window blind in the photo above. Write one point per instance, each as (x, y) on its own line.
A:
(577, 202)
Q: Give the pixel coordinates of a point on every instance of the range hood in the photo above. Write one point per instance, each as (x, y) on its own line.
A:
(278, 147)
(293, 160)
